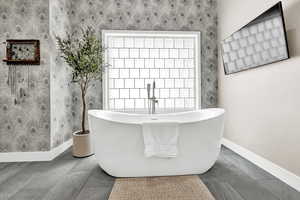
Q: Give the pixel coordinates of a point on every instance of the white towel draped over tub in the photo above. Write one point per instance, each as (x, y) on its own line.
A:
(160, 139)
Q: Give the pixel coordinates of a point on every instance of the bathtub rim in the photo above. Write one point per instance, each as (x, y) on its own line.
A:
(218, 112)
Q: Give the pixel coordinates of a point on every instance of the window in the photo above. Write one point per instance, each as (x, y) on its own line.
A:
(136, 58)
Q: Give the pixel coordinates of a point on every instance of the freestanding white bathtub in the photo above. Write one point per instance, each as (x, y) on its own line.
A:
(119, 145)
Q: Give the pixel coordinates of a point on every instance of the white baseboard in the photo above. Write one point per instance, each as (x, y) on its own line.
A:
(277, 171)
(35, 156)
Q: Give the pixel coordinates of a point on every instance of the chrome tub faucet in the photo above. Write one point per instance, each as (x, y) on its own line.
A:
(151, 100)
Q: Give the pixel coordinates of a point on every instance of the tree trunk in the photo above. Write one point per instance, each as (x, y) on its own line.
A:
(83, 110)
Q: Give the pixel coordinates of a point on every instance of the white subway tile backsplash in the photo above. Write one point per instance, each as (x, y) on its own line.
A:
(124, 53)
(118, 42)
(124, 73)
(174, 73)
(129, 63)
(139, 42)
(111, 83)
(154, 53)
(110, 42)
(157, 93)
(184, 73)
(144, 53)
(119, 104)
(174, 93)
(118, 63)
(128, 42)
(129, 103)
(134, 73)
(154, 73)
(174, 53)
(189, 43)
(139, 103)
(112, 104)
(183, 53)
(134, 53)
(119, 83)
(191, 53)
(164, 53)
(114, 53)
(134, 93)
(124, 93)
(137, 61)
(113, 73)
(139, 83)
(113, 93)
(160, 83)
(191, 73)
(144, 73)
(169, 83)
(179, 63)
(169, 63)
(164, 73)
(179, 83)
(164, 93)
(159, 63)
(189, 63)
(169, 43)
(149, 63)
(189, 103)
(129, 83)
(170, 103)
(178, 43)
(143, 93)
(189, 83)
(179, 103)
(161, 103)
(149, 43)
(192, 93)
(158, 43)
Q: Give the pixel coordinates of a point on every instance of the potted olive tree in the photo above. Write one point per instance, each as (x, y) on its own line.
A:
(85, 57)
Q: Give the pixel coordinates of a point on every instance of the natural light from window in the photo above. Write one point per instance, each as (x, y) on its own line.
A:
(136, 58)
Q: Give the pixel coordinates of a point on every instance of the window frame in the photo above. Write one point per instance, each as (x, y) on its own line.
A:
(132, 33)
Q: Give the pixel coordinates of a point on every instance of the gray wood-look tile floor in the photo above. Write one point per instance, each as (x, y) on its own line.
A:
(68, 178)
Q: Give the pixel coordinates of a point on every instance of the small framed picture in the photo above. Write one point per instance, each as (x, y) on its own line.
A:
(22, 52)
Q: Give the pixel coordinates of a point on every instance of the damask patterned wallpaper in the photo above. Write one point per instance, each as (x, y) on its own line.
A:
(25, 126)
(65, 96)
(24, 115)
(185, 15)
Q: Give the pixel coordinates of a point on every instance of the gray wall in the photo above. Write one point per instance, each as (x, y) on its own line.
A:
(185, 15)
(25, 125)
(193, 15)
(263, 104)
(60, 92)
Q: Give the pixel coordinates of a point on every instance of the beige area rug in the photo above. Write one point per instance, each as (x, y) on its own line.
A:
(160, 188)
